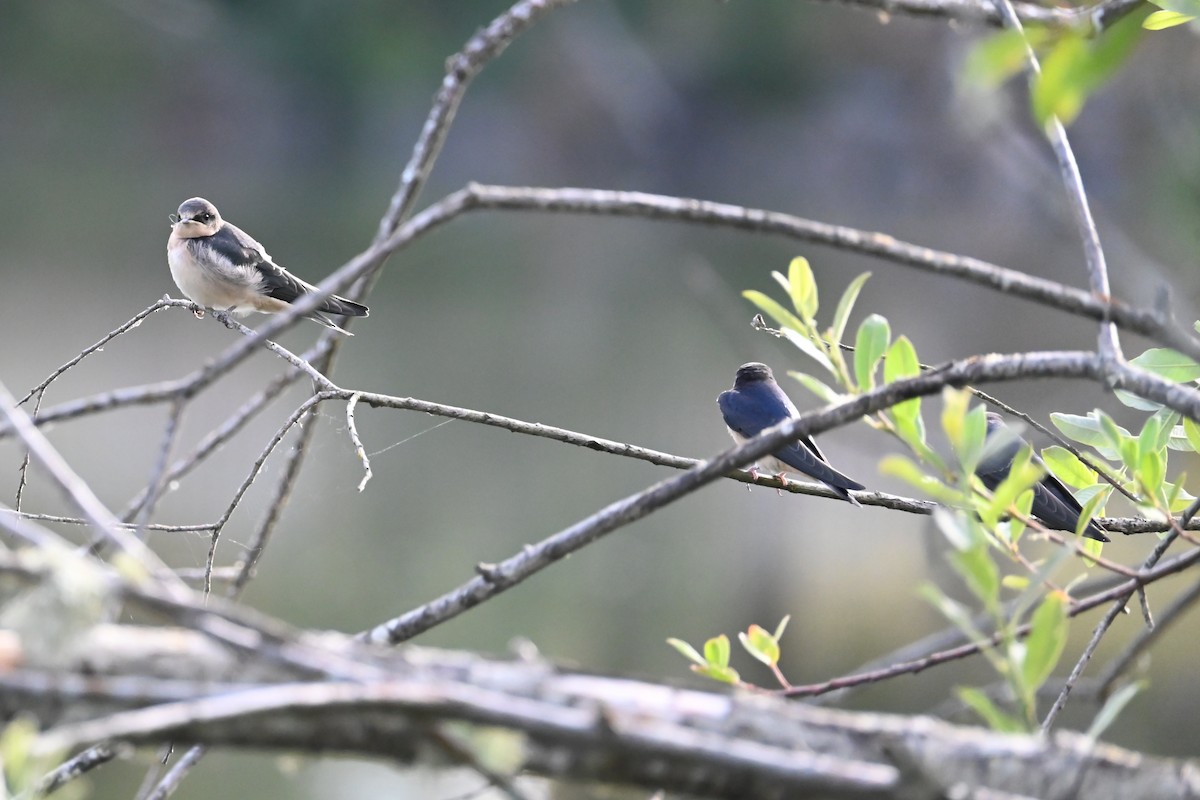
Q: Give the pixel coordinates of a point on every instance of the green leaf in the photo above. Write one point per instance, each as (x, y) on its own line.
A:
(1178, 440)
(1177, 498)
(718, 673)
(901, 362)
(1137, 403)
(818, 387)
(804, 288)
(1113, 707)
(987, 710)
(1084, 429)
(810, 348)
(1077, 66)
(1179, 6)
(1166, 363)
(1151, 472)
(1161, 20)
(842, 315)
(1058, 90)
(1192, 431)
(1169, 364)
(954, 611)
(974, 438)
(1166, 419)
(953, 525)
(1044, 646)
(1016, 524)
(716, 651)
(1018, 583)
(1022, 475)
(760, 644)
(20, 769)
(1148, 440)
(687, 651)
(1090, 431)
(955, 410)
(1091, 505)
(782, 626)
(997, 58)
(980, 573)
(907, 470)
(1067, 467)
(869, 347)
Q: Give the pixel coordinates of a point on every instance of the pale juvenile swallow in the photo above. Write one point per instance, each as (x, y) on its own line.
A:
(217, 265)
(754, 404)
(1053, 503)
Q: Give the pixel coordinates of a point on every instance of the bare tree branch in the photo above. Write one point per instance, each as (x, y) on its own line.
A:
(881, 245)
(579, 726)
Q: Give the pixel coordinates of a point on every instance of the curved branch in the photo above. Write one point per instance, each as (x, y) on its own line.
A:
(1151, 324)
(495, 578)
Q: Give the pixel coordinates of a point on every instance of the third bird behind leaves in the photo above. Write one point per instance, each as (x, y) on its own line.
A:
(1053, 503)
(754, 404)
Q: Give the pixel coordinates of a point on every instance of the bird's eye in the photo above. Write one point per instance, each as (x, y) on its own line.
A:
(205, 217)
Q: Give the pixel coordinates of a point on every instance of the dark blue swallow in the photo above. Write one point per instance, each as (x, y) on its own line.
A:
(1053, 503)
(754, 404)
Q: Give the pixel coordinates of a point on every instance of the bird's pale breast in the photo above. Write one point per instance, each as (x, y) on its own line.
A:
(204, 283)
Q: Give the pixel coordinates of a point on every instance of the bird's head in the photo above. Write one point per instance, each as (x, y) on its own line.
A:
(752, 372)
(196, 217)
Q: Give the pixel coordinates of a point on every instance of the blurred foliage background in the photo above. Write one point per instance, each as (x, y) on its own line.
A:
(295, 119)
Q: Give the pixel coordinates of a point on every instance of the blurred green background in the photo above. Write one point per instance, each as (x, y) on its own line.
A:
(295, 118)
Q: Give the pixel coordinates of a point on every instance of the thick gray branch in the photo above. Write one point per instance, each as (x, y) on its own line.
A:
(150, 686)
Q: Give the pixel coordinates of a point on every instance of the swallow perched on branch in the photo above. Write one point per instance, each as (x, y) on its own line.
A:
(756, 403)
(218, 265)
(1053, 503)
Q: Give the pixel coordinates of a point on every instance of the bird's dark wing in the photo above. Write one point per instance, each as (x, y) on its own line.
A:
(235, 253)
(277, 282)
(997, 460)
(754, 408)
(804, 460)
(236, 245)
(1054, 504)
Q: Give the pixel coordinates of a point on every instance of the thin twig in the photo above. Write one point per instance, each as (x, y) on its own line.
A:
(231, 426)
(76, 490)
(1117, 594)
(135, 321)
(157, 482)
(1118, 606)
(74, 767)
(170, 782)
(460, 751)
(153, 526)
(291, 471)
(359, 450)
(461, 69)
(1117, 667)
(1108, 344)
(248, 481)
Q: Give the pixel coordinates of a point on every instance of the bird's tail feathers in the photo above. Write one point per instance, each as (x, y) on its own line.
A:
(345, 308)
(316, 316)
